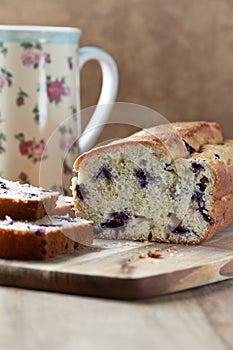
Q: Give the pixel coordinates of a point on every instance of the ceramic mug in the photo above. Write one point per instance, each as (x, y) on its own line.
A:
(39, 90)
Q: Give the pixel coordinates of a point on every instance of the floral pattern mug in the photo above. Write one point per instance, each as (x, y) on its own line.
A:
(40, 102)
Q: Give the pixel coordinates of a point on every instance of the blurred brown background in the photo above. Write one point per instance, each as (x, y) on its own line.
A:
(175, 56)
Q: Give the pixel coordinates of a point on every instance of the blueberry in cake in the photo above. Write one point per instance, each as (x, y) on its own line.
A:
(171, 183)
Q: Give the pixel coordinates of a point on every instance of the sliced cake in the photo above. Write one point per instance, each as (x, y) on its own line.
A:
(25, 202)
(64, 206)
(44, 238)
(170, 183)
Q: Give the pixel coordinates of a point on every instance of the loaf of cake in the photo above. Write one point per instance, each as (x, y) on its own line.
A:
(171, 183)
(25, 202)
(44, 238)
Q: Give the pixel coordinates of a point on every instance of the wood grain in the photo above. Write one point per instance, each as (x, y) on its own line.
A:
(198, 319)
(123, 270)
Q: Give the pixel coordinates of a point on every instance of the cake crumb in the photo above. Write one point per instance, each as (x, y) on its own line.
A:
(172, 248)
(98, 250)
(154, 255)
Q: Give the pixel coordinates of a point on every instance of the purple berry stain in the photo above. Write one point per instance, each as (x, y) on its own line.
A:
(9, 220)
(3, 186)
(207, 218)
(105, 172)
(81, 193)
(189, 148)
(203, 183)
(51, 225)
(180, 230)
(144, 177)
(117, 219)
(31, 195)
(198, 195)
(40, 232)
(197, 168)
(198, 198)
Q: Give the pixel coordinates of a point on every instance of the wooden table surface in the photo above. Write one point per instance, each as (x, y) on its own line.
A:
(201, 318)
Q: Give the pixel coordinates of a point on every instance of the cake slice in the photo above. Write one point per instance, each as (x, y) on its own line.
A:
(64, 206)
(44, 238)
(171, 183)
(25, 202)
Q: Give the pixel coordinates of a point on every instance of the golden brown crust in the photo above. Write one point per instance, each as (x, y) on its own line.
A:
(18, 244)
(28, 246)
(21, 209)
(167, 138)
(199, 133)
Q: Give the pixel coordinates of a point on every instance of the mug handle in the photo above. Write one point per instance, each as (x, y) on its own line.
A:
(107, 95)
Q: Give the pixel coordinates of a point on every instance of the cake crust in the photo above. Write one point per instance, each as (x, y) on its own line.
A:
(167, 138)
(16, 243)
(25, 209)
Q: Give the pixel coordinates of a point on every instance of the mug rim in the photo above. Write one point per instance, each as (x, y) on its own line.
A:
(39, 34)
(37, 28)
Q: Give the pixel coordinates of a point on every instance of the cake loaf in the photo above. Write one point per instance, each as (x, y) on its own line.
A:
(44, 238)
(25, 202)
(171, 183)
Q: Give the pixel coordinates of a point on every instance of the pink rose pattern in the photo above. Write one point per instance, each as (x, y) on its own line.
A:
(21, 97)
(32, 149)
(23, 178)
(30, 58)
(56, 89)
(34, 55)
(2, 82)
(67, 143)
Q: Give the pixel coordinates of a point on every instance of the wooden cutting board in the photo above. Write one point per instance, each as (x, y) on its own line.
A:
(123, 270)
